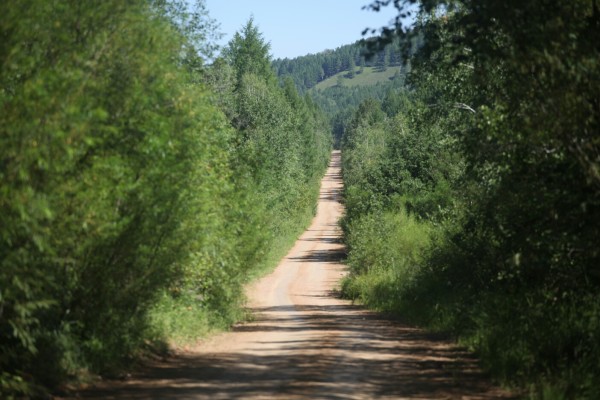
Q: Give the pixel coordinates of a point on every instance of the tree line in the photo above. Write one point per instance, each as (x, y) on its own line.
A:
(473, 197)
(139, 187)
(338, 103)
(306, 71)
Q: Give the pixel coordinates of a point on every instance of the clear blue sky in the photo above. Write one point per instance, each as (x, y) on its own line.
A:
(299, 27)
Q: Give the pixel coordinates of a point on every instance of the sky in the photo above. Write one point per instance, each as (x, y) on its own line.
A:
(298, 27)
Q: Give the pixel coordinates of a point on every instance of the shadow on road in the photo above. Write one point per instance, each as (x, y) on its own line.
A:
(318, 348)
(321, 256)
(331, 195)
(390, 359)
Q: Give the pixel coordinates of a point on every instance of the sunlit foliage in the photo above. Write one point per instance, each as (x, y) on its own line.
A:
(135, 200)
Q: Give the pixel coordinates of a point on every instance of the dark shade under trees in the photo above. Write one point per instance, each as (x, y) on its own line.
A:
(473, 207)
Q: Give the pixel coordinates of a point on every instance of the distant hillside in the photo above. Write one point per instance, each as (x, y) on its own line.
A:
(339, 80)
(341, 99)
(312, 69)
(368, 77)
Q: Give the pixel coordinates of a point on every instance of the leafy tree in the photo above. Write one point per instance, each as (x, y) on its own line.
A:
(192, 21)
(509, 89)
(102, 106)
(281, 143)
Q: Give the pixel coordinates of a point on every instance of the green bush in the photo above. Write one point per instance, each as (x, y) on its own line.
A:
(117, 189)
(497, 152)
(385, 256)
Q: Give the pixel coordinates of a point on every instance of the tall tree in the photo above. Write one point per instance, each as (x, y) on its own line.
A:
(248, 53)
(351, 68)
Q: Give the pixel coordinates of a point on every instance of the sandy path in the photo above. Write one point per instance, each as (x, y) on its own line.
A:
(307, 344)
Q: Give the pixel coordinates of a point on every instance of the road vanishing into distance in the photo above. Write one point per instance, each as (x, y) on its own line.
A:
(307, 343)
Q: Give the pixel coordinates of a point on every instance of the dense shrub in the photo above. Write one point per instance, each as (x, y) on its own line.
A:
(132, 209)
(496, 152)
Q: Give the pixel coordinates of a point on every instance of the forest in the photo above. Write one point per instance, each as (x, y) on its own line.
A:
(473, 196)
(140, 188)
(146, 177)
(339, 101)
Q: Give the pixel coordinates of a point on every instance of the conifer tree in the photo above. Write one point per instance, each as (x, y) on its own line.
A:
(351, 68)
(248, 52)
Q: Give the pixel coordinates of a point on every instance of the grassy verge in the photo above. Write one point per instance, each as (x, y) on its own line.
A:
(385, 256)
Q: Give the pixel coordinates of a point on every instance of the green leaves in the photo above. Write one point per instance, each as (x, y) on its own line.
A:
(501, 137)
(114, 172)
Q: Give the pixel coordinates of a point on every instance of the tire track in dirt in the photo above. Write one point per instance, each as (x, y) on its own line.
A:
(306, 343)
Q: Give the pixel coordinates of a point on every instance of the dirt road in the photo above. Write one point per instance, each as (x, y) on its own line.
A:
(306, 343)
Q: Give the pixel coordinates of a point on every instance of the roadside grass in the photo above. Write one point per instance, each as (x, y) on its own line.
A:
(385, 256)
(369, 77)
(180, 320)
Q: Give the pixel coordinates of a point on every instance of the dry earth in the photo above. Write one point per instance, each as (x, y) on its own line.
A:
(306, 343)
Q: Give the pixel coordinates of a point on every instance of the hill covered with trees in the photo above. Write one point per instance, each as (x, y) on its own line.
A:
(338, 80)
(307, 71)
